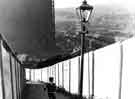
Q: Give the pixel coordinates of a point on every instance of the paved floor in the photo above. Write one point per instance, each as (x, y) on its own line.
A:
(36, 91)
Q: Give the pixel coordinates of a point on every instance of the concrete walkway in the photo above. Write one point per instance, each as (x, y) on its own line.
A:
(36, 91)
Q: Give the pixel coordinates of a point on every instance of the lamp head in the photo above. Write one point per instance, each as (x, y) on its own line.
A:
(84, 11)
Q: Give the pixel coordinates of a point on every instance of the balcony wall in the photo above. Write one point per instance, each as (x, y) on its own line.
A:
(108, 72)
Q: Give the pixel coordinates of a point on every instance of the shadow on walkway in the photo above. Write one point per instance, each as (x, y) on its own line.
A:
(36, 91)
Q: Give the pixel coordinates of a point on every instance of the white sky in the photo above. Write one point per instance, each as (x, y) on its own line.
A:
(130, 4)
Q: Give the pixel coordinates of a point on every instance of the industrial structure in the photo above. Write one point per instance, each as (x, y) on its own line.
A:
(29, 26)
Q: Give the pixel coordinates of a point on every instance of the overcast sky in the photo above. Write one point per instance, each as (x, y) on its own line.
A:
(129, 4)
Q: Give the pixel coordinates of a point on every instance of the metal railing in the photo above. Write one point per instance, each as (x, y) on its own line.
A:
(12, 74)
(108, 72)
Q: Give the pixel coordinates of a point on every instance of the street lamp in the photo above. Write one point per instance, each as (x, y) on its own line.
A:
(84, 12)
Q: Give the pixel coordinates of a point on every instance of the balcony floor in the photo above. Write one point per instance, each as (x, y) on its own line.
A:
(36, 91)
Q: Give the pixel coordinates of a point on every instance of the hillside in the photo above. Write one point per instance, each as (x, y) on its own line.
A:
(111, 23)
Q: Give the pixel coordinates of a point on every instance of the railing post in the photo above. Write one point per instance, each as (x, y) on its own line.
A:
(1, 71)
(63, 74)
(16, 74)
(58, 74)
(88, 76)
(34, 74)
(48, 74)
(69, 75)
(55, 73)
(12, 85)
(41, 74)
(30, 74)
(121, 70)
(79, 72)
(93, 74)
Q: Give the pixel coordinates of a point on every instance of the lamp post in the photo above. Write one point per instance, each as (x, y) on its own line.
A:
(84, 12)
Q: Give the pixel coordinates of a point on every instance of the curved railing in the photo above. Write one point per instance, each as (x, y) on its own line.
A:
(108, 72)
(11, 72)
